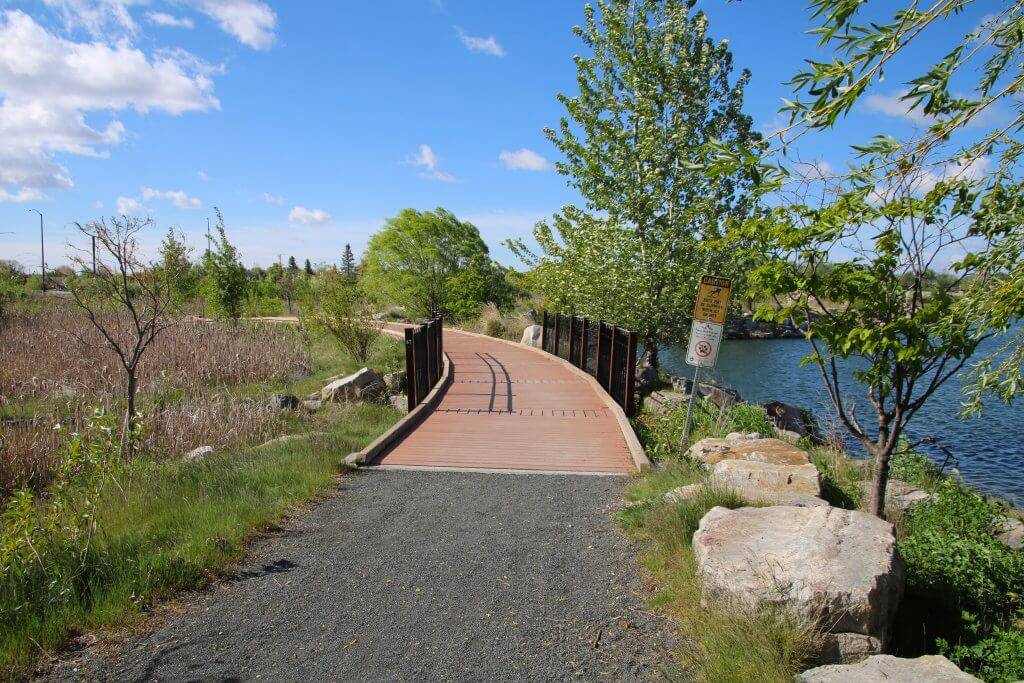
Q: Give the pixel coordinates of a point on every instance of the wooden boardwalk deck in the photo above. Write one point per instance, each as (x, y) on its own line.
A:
(511, 408)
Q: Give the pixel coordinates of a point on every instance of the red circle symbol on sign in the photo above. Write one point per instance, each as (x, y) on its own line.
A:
(702, 349)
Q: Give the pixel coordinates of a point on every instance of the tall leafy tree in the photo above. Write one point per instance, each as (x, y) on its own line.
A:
(226, 282)
(431, 263)
(176, 268)
(653, 91)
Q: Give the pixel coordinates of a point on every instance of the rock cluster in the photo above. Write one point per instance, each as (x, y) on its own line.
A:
(926, 669)
(532, 336)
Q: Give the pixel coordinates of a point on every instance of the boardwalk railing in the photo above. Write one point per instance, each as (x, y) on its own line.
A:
(602, 350)
(424, 354)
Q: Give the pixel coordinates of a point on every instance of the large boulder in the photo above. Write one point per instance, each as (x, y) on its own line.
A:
(899, 495)
(761, 482)
(660, 402)
(198, 453)
(926, 669)
(838, 568)
(532, 336)
(364, 385)
(747, 447)
(789, 418)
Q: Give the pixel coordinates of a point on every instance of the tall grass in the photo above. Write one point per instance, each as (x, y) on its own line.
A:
(661, 432)
(503, 325)
(159, 526)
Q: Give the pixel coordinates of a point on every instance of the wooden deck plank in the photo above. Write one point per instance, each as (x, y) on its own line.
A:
(511, 408)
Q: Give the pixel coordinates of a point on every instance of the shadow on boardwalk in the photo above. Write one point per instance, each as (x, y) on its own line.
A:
(420, 575)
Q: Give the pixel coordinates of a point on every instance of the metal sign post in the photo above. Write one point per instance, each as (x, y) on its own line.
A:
(705, 337)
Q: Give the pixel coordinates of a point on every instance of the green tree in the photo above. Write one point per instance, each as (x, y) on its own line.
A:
(431, 263)
(341, 310)
(309, 268)
(177, 268)
(882, 311)
(654, 91)
(292, 265)
(348, 264)
(968, 102)
(226, 283)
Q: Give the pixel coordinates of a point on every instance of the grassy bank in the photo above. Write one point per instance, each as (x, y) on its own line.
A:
(964, 587)
(107, 537)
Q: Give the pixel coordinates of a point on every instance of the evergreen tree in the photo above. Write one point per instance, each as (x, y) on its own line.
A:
(654, 91)
(309, 268)
(292, 265)
(348, 264)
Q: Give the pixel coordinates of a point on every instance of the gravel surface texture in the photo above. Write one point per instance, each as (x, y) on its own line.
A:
(407, 575)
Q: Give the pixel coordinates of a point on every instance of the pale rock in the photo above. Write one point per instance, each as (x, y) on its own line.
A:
(837, 648)
(661, 402)
(1012, 533)
(354, 460)
(767, 476)
(400, 402)
(772, 451)
(312, 405)
(926, 669)
(532, 336)
(899, 495)
(198, 453)
(682, 494)
(363, 385)
(837, 567)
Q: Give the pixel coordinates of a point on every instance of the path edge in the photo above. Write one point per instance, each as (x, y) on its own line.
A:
(409, 421)
(636, 451)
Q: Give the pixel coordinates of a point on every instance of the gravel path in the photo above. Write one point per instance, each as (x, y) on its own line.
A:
(420, 575)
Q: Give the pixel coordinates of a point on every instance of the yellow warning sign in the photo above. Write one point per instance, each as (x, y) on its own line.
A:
(712, 299)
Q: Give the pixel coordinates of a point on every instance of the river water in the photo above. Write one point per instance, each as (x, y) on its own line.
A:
(989, 447)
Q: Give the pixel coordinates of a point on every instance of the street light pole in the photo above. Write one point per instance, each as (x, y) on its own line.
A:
(42, 249)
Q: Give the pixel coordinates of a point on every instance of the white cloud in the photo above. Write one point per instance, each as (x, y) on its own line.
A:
(49, 83)
(252, 22)
(273, 198)
(972, 172)
(525, 160)
(128, 205)
(96, 17)
(180, 199)
(202, 175)
(894, 105)
(169, 20)
(813, 170)
(487, 46)
(300, 214)
(23, 195)
(431, 165)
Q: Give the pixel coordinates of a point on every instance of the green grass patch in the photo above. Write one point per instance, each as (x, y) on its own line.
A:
(661, 433)
(160, 527)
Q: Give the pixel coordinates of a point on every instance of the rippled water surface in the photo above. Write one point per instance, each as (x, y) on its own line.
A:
(990, 447)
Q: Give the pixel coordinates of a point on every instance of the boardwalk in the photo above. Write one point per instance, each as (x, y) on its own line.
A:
(511, 408)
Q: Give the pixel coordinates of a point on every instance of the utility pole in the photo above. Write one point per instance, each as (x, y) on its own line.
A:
(42, 248)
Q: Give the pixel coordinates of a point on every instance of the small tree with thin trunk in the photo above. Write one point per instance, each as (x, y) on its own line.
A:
(127, 301)
(877, 311)
(348, 264)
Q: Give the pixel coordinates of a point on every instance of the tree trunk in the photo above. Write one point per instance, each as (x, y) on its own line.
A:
(652, 352)
(880, 481)
(129, 413)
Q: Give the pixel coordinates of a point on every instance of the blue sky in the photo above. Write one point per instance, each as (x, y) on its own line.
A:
(310, 122)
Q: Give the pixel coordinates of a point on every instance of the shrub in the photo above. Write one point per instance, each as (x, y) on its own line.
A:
(494, 328)
(340, 309)
(839, 477)
(661, 432)
(916, 469)
(996, 659)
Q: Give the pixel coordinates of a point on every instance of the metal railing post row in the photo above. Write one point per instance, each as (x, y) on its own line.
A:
(410, 369)
(630, 406)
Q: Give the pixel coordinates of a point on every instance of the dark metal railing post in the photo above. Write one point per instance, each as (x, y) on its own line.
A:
(630, 406)
(571, 356)
(440, 344)
(558, 321)
(410, 369)
(584, 343)
(600, 352)
(431, 355)
(544, 330)
(611, 361)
